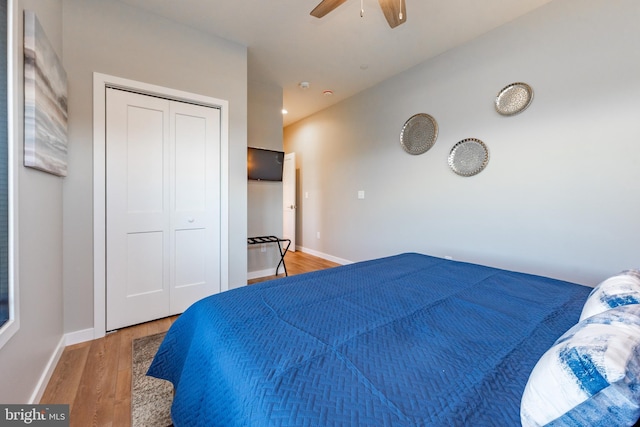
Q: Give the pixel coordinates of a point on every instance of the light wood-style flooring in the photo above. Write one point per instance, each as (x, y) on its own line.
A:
(94, 377)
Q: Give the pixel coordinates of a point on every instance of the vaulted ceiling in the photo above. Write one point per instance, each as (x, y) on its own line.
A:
(341, 52)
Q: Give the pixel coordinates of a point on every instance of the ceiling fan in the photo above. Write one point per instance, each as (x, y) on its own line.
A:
(394, 10)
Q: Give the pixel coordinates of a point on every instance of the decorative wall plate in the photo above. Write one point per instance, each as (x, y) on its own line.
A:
(468, 157)
(514, 98)
(419, 133)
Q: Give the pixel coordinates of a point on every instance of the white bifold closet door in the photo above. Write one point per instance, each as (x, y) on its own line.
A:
(163, 206)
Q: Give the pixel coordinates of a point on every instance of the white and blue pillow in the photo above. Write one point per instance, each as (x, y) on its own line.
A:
(590, 376)
(618, 290)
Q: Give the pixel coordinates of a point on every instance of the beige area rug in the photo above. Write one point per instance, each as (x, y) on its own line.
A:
(150, 397)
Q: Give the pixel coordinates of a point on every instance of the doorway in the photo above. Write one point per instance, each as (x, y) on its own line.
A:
(289, 207)
(185, 231)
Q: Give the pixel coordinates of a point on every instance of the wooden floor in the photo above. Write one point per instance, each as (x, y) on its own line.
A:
(94, 377)
(297, 263)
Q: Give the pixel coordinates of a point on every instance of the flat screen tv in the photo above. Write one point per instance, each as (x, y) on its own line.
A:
(265, 165)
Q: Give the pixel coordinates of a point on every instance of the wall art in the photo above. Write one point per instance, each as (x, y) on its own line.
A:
(419, 133)
(514, 99)
(45, 102)
(468, 157)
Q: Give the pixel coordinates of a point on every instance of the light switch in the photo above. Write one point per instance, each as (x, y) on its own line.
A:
(361, 194)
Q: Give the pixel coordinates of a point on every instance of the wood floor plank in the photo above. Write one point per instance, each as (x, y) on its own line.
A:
(127, 335)
(122, 404)
(83, 408)
(93, 404)
(64, 383)
(94, 377)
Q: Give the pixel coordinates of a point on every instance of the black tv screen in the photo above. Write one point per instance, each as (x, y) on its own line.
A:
(265, 165)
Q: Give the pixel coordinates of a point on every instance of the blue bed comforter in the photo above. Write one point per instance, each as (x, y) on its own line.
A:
(408, 340)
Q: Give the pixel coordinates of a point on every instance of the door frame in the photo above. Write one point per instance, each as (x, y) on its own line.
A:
(100, 84)
(291, 157)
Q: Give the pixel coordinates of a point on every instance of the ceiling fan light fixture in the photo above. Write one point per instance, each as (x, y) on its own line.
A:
(327, 92)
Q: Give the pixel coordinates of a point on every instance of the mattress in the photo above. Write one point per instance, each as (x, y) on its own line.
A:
(407, 340)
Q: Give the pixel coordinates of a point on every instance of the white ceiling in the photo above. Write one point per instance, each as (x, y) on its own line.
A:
(341, 52)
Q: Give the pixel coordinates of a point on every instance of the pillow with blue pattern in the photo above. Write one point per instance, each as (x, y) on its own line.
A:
(590, 376)
(621, 289)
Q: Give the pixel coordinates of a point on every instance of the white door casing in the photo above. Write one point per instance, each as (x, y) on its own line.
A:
(100, 83)
(165, 223)
(289, 207)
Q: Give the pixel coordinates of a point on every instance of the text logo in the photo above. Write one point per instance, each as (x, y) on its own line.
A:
(34, 415)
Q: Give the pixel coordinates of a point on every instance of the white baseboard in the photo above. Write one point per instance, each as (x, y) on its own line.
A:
(47, 373)
(67, 339)
(77, 337)
(258, 274)
(322, 255)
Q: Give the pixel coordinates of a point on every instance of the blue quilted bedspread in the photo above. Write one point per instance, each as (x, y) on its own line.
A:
(409, 340)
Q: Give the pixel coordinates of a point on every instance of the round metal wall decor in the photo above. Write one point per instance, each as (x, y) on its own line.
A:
(468, 157)
(514, 99)
(419, 133)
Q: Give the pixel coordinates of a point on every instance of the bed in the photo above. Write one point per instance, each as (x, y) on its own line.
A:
(406, 340)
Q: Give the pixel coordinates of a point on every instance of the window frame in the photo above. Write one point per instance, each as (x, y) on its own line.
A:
(10, 327)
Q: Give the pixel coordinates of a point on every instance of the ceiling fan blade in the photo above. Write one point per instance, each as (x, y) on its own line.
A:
(395, 11)
(325, 7)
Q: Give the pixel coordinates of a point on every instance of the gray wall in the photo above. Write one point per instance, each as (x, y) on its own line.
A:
(55, 215)
(559, 196)
(264, 199)
(39, 238)
(112, 38)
